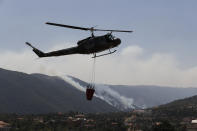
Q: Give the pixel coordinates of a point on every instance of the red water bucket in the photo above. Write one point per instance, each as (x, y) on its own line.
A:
(89, 93)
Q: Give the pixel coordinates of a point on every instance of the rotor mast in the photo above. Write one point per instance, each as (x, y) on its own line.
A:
(92, 31)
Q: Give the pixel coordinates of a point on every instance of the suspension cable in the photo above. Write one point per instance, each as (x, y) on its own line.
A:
(93, 72)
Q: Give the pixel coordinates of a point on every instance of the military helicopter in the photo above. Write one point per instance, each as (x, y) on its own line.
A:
(89, 45)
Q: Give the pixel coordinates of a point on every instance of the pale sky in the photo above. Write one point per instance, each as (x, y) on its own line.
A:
(164, 38)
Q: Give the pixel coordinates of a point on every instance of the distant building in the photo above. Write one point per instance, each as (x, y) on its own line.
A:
(4, 126)
(89, 120)
(80, 116)
(140, 111)
(158, 123)
(194, 121)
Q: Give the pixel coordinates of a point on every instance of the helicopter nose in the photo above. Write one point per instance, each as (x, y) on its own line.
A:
(117, 41)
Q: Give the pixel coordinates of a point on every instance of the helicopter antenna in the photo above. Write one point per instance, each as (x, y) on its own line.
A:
(92, 29)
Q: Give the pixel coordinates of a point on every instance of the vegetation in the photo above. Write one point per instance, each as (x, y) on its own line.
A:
(175, 116)
(65, 122)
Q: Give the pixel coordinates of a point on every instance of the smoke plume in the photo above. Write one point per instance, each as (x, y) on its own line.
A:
(113, 98)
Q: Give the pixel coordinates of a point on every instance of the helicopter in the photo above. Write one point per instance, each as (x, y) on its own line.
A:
(90, 45)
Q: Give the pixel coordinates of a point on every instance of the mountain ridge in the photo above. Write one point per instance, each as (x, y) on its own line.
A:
(37, 93)
(182, 108)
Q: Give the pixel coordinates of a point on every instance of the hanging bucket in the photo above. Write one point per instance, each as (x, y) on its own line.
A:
(89, 92)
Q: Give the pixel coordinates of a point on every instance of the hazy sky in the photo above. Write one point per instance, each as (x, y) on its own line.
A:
(165, 29)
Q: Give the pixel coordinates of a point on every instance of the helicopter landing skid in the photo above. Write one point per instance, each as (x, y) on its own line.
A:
(104, 54)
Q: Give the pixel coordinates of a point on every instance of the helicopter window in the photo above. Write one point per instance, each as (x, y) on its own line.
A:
(111, 37)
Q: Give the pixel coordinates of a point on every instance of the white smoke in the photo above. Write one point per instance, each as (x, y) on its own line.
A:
(105, 93)
(73, 83)
(113, 98)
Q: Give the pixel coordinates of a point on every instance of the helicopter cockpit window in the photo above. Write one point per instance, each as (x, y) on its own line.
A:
(110, 37)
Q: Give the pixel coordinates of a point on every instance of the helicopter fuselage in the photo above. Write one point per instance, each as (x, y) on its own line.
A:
(97, 44)
(90, 45)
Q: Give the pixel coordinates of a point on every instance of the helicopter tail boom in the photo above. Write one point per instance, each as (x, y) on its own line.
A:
(68, 51)
(38, 52)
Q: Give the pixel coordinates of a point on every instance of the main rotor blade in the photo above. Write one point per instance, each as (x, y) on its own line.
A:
(82, 28)
(68, 26)
(128, 31)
